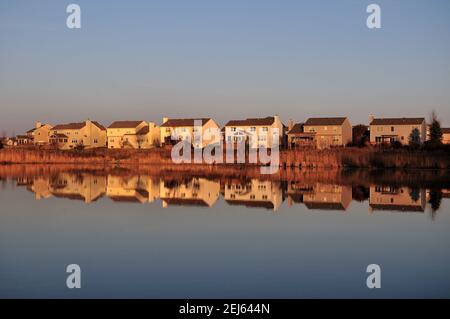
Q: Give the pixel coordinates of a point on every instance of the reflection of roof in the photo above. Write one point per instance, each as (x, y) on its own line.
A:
(402, 208)
(250, 203)
(325, 206)
(252, 121)
(131, 199)
(183, 122)
(184, 201)
(296, 198)
(315, 121)
(69, 196)
(125, 124)
(398, 121)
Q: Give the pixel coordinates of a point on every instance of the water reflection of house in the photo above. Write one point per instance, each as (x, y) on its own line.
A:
(254, 193)
(195, 192)
(328, 197)
(396, 199)
(82, 186)
(40, 187)
(139, 189)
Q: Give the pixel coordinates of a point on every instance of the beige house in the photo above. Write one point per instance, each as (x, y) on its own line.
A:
(256, 132)
(127, 189)
(133, 134)
(328, 197)
(394, 198)
(445, 135)
(298, 138)
(184, 129)
(329, 131)
(255, 193)
(85, 187)
(40, 134)
(88, 134)
(388, 130)
(196, 192)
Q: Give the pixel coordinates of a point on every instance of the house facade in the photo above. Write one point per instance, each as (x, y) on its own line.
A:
(133, 134)
(87, 134)
(184, 129)
(445, 135)
(298, 138)
(393, 198)
(389, 130)
(40, 134)
(256, 132)
(329, 131)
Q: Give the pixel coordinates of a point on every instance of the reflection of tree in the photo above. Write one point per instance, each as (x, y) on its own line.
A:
(435, 200)
(414, 193)
(360, 193)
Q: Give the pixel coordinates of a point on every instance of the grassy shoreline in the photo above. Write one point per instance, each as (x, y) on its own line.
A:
(370, 157)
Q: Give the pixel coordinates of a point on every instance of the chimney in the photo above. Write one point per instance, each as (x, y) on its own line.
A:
(290, 124)
(371, 118)
(38, 124)
(165, 119)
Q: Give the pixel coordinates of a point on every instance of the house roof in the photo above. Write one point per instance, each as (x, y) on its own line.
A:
(58, 136)
(296, 129)
(31, 131)
(23, 136)
(252, 122)
(398, 121)
(76, 126)
(445, 130)
(183, 122)
(323, 121)
(143, 130)
(125, 124)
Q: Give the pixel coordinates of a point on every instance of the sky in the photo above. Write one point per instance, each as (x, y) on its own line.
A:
(142, 60)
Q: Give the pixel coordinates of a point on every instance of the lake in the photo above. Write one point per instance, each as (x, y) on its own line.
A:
(137, 233)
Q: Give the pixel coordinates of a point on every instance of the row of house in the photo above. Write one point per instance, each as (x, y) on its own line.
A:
(255, 132)
(202, 192)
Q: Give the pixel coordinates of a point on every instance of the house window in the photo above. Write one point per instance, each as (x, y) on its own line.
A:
(229, 138)
(74, 141)
(167, 130)
(265, 129)
(233, 129)
(252, 129)
(95, 141)
(392, 129)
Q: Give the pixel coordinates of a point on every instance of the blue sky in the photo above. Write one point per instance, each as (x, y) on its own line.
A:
(223, 59)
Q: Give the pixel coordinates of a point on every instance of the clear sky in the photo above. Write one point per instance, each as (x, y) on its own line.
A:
(225, 59)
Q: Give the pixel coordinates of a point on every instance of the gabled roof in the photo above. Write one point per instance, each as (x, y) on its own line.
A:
(183, 122)
(125, 124)
(445, 130)
(296, 129)
(144, 130)
(76, 126)
(31, 131)
(252, 122)
(398, 121)
(324, 121)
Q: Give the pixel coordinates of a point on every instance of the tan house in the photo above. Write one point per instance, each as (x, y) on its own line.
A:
(184, 129)
(445, 135)
(328, 197)
(88, 134)
(84, 187)
(389, 130)
(329, 131)
(256, 132)
(394, 198)
(40, 134)
(298, 138)
(133, 134)
(24, 140)
(255, 193)
(196, 192)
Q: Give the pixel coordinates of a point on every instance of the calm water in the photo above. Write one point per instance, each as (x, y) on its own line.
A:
(138, 235)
